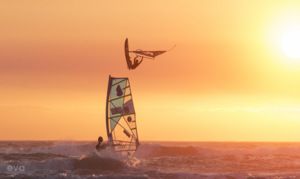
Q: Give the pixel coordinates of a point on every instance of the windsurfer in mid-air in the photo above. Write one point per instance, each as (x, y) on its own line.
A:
(136, 62)
(140, 55)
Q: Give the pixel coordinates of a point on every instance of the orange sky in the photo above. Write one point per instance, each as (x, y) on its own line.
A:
(226, 80)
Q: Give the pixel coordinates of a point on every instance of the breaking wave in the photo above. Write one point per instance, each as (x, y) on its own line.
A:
(152, 160)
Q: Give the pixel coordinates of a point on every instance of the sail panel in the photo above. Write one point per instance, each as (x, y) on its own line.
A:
(151, 54)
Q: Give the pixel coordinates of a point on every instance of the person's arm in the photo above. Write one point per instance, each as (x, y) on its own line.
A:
(138, 63)
(141, 61)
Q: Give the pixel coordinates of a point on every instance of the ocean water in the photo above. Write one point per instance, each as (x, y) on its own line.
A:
(57, 159)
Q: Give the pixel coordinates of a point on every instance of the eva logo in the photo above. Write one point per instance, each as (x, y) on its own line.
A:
(15, 168)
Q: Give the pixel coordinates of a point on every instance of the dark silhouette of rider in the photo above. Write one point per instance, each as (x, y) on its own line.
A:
(100, 144)
(136, 62)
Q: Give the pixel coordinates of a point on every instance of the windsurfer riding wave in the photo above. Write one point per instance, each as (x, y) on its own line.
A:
(101, 145)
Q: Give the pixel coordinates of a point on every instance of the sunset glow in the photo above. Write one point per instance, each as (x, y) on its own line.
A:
(233, 75)
(291, 42)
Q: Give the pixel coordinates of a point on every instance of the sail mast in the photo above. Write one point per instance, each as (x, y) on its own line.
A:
(107, 109)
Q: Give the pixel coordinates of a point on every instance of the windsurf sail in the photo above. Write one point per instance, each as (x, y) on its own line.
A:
(120, 116)
(150, 54)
